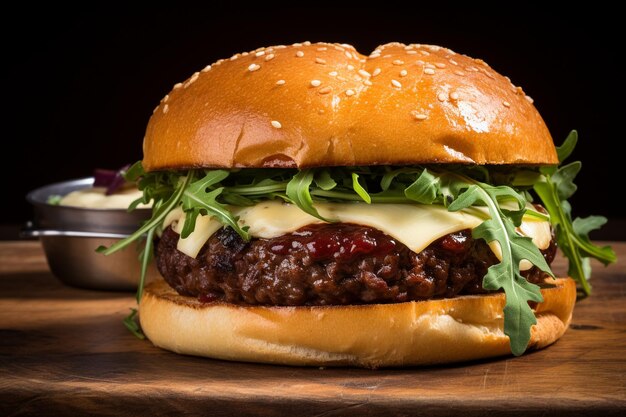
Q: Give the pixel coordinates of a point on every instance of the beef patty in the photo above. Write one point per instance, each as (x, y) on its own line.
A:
(328, 264)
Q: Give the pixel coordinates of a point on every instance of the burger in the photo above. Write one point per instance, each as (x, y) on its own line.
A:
(316, 206)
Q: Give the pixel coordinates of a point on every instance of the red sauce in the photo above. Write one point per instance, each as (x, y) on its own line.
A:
(343, 242)
(455, 242)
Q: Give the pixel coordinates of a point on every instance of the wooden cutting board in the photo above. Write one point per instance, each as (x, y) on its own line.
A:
(64, 351)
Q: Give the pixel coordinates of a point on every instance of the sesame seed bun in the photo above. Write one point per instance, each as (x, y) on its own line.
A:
(309, 105)
(377, 335)
(327, 105)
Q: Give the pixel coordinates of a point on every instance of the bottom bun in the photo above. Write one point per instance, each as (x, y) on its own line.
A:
(377, 335)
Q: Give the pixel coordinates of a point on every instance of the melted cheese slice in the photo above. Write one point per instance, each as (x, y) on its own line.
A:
(415, 225)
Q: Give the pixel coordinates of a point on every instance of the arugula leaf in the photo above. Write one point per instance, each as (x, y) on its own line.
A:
(298, 191)
(200, 196)
(358, 188)
(563, 178)
(324, 180)
(131, 324)
(390, 176)
(158, 215)
(54, 199)
(582, 226)
(134, 172)
(518, 316)
(145, 258)
(565, 150)
(424, 189)
(554, 188)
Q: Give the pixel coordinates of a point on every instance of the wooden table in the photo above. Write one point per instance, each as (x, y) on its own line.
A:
(64, 351)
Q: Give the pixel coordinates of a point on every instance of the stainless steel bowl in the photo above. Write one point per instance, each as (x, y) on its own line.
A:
(70, 236)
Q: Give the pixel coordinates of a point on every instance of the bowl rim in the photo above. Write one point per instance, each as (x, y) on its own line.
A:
(35, 196)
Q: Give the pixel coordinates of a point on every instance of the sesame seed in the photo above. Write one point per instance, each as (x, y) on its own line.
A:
(461, 73)
(155, 109)
(442, 96)
(269, 57)
(333, 73)
(320, 61)
(345, 45)
(471, 69)
(408, 47)
(166, 108)
(232, 58)
(403, 73)
(429, 71)
(453, 62)
(339, 48)
(191, 80)
(315, 83)
(367, 82)
(297, 44)
(454, 96)
(411, 52)
(280, 82)
(167, 97)
(349, 92)
(177, 85)
(420, 116)
(396, 83)
(307, 43)
(506, 104)
(376, 72)
(425, 53)
(260, 53)
(325, 90)
(207, 68)
(348, 54)
(373, 56)
(364, 73)
(530, 99)
(429, 66)
(244, 54)
(276, 124)
(351, 67)
(299, 54)
(398, 62)
(254, 67)
(440, 65)
(323, 48)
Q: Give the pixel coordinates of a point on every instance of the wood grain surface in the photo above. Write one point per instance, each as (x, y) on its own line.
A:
(64, 351)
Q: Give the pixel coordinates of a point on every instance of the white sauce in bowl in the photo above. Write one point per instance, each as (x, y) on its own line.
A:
(95, 198)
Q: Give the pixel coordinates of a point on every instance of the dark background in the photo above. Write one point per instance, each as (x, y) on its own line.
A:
(79, 89)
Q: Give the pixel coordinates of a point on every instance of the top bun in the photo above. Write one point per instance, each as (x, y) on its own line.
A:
(308, 105)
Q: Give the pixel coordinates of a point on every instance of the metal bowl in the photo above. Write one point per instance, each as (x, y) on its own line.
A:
(70, 236)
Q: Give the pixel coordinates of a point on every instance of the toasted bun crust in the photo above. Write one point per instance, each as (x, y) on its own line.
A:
(412, 333)
(327, 105)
